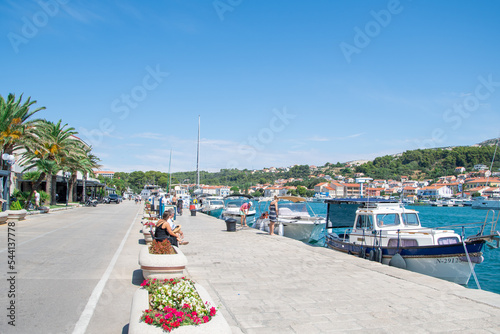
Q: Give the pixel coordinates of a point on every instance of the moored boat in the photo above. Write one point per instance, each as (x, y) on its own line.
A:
(293, 220)
(212, 205)
(492, 203)
(389, 233)
(233, 204)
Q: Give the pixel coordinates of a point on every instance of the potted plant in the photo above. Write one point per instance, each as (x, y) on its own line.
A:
(16, 212)
(3, 215)
(147, 227)
(162, 260)
(180, 304)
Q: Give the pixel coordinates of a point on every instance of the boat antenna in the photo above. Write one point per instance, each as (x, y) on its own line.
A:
(492, 160)
(198, 158)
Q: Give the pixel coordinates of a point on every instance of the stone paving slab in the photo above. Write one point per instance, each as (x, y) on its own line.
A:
(273, 284)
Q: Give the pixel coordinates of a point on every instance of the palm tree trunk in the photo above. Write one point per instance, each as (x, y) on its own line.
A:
(51, 180)
(84, 193)
(72, 183)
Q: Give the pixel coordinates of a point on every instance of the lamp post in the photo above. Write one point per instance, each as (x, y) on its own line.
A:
(67, 175)
(10, 160)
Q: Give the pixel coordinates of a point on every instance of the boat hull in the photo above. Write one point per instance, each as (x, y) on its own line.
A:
(448, 262)
(298, 230)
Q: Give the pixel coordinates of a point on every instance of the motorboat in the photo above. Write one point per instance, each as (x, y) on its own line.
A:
(293, 220)
(150, 190)
(387, 232)
(491, 203)
(212, 205)
(233, 204)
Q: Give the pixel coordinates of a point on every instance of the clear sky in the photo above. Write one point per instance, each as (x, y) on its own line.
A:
(275, 83)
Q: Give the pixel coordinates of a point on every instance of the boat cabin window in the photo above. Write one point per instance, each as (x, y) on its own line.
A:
(388, 219)
(448, 241)
(402, 243)
(364, 222)
(410, 219)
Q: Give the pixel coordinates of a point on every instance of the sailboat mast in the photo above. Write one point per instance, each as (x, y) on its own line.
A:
(198, 158)
(169, 173)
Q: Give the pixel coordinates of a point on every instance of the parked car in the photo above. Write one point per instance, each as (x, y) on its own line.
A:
(114, 198)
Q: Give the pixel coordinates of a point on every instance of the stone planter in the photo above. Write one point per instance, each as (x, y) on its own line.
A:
(16, 215)
(218, 324)
(146, 231)
(162, 266)
(44, 209)
(3, 217)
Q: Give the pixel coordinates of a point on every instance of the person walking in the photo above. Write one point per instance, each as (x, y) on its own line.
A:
(37, 199)
(273, 214)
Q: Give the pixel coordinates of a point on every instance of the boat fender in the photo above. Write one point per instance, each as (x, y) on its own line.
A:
(378, 255)
(361, 252)
(398, 261)
(372, 255)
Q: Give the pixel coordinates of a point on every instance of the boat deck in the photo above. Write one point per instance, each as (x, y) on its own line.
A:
(273, 284)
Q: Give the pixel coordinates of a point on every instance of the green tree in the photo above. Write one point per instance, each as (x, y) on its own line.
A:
(17, 129)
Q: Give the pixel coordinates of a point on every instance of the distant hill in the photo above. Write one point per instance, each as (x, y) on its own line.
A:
(430, 163)
(489, 142)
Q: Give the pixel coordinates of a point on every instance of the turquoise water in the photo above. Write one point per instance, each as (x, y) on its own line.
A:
(488, 272)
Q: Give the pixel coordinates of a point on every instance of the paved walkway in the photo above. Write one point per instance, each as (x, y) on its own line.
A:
(272, 284)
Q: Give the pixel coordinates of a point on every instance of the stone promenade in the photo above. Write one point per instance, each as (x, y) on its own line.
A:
(272, 284)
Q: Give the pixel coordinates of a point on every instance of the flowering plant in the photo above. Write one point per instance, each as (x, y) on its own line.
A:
(161, 247)
(174, 302)
(149, 224)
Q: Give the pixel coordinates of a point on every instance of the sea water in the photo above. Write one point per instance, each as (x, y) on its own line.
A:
(487, 273)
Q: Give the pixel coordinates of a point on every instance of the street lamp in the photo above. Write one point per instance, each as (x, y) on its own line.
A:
(10, 160)
(67, 175)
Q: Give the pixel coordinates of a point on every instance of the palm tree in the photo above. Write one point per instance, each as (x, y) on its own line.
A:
(56, 145)
(43, 166)
(17, 130)
(83, 161)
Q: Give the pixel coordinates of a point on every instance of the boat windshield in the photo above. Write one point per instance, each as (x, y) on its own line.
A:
(364, 222)
(388, 219)
(293, 209)
(410, 219)
(236, 203)
(218, 202)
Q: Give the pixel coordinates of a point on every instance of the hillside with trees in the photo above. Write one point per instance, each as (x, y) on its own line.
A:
(416, 164)
(428, 163)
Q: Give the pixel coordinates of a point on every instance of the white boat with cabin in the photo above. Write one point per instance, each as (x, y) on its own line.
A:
(389, 233)
(233, 204)
(293, 220)
(491, 203)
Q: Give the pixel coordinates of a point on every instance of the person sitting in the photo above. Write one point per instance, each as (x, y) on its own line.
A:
(176, 228)
(164, 230)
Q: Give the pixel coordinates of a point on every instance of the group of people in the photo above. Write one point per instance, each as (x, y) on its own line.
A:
(167, 229)
(273, 214)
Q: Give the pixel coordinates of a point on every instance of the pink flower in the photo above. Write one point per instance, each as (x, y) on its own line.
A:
(205, 319)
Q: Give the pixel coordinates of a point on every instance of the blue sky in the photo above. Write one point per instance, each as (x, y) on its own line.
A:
(276, 83)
